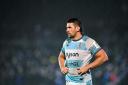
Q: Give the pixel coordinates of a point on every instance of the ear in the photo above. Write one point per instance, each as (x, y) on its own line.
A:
(78, 28)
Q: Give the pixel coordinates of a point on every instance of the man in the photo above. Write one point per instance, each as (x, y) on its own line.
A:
(76, 53)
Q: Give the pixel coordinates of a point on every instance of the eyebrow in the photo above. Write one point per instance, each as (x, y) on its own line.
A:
(68, 27)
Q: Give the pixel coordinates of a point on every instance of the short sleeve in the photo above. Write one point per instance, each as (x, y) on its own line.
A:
(93, 46)
(63, 50)
(63, 47)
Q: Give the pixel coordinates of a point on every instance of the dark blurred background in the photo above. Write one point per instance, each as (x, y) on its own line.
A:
(32, 33)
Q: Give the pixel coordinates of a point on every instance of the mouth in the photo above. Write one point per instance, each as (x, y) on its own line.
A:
(68, 34)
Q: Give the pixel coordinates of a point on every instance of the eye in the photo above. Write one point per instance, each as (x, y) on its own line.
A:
(68, 27)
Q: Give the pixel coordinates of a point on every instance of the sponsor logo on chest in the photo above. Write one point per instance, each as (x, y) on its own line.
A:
(69, 55)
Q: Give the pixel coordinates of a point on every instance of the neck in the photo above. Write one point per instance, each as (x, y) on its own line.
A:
(77, 36)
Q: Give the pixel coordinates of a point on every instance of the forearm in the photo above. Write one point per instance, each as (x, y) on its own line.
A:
(95, 63)
(61, 61)
(100, 59)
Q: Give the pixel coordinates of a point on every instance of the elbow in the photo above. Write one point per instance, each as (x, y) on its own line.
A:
(106, 58)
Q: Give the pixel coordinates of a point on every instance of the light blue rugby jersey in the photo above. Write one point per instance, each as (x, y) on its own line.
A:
(79, 53)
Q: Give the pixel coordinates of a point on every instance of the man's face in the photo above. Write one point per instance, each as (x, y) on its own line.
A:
(71, 30)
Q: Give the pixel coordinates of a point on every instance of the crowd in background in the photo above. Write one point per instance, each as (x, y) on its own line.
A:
(26, 61)
(32, 33)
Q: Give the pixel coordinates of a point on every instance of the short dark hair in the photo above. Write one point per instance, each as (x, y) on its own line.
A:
(75, 21)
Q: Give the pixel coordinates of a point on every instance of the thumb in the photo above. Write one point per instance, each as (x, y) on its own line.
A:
(66, 68)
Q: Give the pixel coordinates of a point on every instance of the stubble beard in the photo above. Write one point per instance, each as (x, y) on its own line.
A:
(71, 36)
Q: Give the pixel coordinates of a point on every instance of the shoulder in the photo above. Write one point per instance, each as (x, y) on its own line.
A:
(89, 41)
(66, 41)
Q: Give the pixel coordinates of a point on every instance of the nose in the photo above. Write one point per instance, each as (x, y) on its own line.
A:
(68, 29)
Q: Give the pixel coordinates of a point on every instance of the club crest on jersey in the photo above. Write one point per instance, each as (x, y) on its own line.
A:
(72, 55)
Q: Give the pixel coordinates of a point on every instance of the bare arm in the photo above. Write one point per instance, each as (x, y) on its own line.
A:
(61, 60)
(101, 57)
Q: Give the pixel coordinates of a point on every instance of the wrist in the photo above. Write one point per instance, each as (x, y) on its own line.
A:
(62, 67)
(89, 66)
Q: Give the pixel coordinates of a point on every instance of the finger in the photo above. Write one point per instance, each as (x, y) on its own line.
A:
(79, 72)
(63, 72)
(82, 73)
(66, 68)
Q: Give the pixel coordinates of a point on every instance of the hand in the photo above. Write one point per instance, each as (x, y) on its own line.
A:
(64, 70)
(83, 70)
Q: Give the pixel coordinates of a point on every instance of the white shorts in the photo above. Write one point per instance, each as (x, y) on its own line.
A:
(73, 83)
